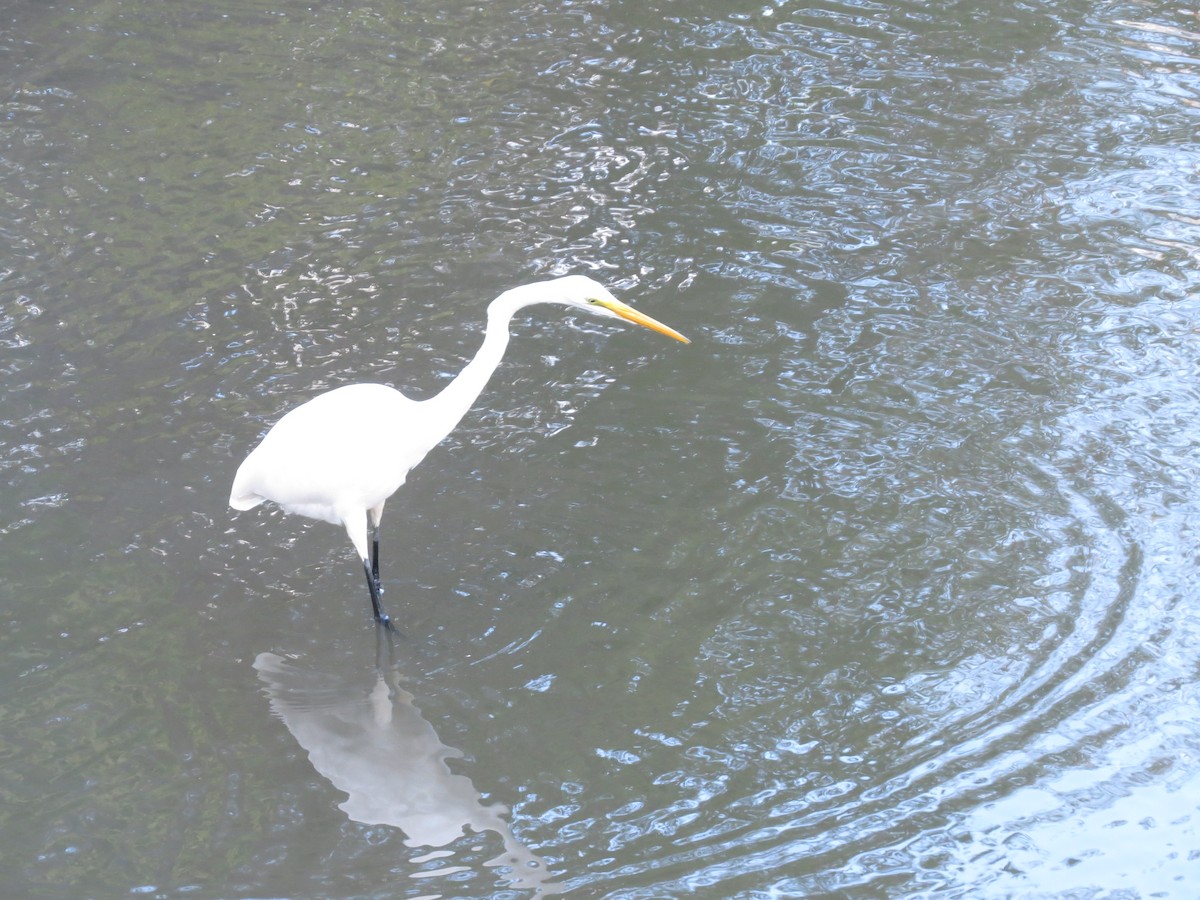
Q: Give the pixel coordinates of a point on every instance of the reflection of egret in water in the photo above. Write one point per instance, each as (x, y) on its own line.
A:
(376, 746)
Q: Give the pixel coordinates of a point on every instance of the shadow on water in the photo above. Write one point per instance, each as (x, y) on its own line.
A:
(371, 741)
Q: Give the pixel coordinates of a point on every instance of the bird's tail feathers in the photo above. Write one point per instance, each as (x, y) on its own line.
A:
(245, 501)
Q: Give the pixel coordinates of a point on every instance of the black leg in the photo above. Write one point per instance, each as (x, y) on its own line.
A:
(373, 585)
(375, 556)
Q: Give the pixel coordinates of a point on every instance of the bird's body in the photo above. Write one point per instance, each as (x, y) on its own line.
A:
(342, 454)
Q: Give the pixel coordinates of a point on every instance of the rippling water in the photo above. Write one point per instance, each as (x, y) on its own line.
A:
(882, 587)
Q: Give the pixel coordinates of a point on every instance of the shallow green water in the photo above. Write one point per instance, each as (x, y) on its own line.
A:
(883, 586)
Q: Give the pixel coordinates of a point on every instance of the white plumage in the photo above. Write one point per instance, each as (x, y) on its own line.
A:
(339, 456)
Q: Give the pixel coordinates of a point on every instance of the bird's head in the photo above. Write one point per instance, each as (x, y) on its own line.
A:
(581, 292)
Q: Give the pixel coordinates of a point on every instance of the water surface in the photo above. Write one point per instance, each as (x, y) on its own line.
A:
(881, 587)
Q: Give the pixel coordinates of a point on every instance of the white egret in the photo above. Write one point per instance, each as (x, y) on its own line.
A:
(342, 454)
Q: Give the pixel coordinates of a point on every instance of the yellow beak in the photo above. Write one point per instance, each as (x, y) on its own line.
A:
(629, 314)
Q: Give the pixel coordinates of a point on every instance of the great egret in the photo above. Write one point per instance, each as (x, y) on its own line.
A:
(339, 456)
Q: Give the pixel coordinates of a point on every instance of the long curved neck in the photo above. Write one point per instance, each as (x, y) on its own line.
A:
(449, 406)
